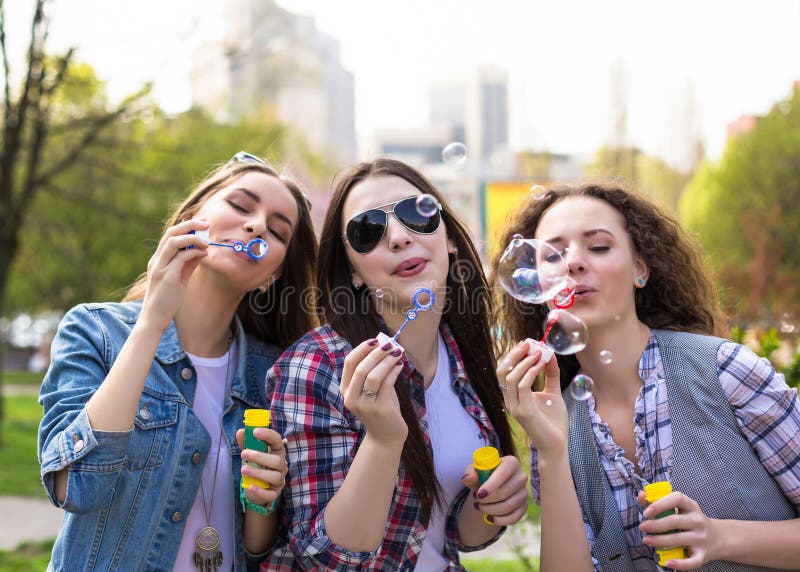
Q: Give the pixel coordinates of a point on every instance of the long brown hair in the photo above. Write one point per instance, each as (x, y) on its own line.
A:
(287, 309)
(467, 310)
(679, 294)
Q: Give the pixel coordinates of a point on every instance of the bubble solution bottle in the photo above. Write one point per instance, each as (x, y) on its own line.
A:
(652, 493)
(485, 460)
(254, 418)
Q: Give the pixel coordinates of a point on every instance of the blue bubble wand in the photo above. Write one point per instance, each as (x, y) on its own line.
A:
(256, 248)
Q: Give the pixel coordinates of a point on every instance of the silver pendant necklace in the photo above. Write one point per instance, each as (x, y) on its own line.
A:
(207, 556)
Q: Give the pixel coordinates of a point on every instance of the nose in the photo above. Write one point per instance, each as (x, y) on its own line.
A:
(399, 236)
(574, 260)
(256, 226)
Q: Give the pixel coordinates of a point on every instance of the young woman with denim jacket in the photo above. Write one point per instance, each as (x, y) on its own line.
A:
(670, 402)
(143, 399)
(380, 439)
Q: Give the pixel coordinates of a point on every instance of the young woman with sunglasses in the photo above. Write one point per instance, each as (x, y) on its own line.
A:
(670, 403)
(143, 399)
(380, 439)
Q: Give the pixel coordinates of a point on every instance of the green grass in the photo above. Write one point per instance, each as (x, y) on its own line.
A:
(28, 557)
(22, 378)
(484, 565)
(20, 467)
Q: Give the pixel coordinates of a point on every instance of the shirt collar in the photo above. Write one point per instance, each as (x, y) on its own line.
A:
(650, 367)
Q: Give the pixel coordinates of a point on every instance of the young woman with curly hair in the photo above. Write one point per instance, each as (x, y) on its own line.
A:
(674, 403)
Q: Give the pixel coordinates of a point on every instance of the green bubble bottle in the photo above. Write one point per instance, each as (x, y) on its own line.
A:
(652, 493)
(485, 460)
(254, 418)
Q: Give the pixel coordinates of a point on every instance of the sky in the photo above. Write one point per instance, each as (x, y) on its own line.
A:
(685, 67)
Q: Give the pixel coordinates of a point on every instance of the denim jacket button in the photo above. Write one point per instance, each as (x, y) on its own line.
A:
(196, 457)
(186, 373)
(78, 446)
(144, 413)
(177, 516)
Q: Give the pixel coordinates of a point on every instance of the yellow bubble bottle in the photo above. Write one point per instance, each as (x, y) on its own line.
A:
(652, 493)
(485, 460)
(254, 418)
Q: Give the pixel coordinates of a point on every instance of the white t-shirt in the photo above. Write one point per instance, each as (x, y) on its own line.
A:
(209, 399)
(454, 436)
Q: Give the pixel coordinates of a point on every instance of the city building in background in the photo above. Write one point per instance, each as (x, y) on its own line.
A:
(278, 63)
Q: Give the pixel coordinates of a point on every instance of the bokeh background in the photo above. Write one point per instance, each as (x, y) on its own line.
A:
(112, 110)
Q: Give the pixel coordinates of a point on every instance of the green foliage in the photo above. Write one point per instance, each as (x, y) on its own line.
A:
(768, 342)
(648, 175)
(792, 371)
(28, 557)
(90, 233)
(20, 474)
(746, 211)
(737, 334)
(486, 565)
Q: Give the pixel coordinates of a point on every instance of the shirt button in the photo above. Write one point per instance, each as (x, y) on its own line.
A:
(78, 446)
(177, 516)
(196, 457)
(186, 373)
(144, 413)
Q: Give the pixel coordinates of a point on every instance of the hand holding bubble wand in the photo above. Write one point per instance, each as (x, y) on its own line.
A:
(534, 271)
(256, 248)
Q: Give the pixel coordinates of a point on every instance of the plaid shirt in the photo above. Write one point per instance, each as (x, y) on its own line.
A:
(765, 408)
(323, 437)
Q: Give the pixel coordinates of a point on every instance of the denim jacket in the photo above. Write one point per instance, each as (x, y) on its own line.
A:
(128, 492)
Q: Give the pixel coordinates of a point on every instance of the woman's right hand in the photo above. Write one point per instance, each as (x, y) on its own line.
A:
(169, 269)
(370, 372)
(543, 414)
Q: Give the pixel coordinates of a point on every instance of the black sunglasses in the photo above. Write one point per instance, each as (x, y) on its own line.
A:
(245, 157)
(365, 230)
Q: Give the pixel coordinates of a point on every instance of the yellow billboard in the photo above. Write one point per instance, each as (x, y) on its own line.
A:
(500, 202)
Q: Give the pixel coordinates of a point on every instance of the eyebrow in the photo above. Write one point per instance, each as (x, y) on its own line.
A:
(587, 234)
(257, 199)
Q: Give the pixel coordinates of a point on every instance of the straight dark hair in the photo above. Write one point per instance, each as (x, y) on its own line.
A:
(284, 312)
(467, 311)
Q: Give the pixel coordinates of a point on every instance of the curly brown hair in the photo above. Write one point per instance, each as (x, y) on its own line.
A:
(679, 294)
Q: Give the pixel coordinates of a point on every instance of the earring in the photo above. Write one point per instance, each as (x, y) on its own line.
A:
(357, 283)
(262, 288)
(454, 252)
(640, 281)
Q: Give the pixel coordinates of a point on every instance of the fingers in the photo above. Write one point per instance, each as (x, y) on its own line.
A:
(504, 496)
(470, 477)
(371, 372)
(355, 357)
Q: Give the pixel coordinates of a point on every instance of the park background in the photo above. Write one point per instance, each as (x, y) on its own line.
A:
(112, 110)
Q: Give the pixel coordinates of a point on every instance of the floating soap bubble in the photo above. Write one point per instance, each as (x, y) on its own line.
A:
(532, 270)
(606, 357)
(787, 324)
(427, 205)
(549, 402)
(455, 154)
(565, 333)
(538, 192)
(581, 387)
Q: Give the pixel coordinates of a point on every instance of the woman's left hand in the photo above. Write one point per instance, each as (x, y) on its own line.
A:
(273, 463)
(504, 496)
(700, 534)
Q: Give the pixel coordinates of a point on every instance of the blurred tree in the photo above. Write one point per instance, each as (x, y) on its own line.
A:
(31, 115)
(648, 175)
(746, 210)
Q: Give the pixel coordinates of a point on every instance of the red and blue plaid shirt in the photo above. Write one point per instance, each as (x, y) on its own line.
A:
(323, 437)
(766, 410)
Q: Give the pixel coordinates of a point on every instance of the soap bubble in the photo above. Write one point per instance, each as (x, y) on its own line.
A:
(538, 192)
(581, 387)
(606, 357)
(455, 154)
(427, 205)
(566, 333)
(532, 270)
(787, 324)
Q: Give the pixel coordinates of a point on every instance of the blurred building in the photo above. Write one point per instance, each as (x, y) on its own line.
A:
(276, 63)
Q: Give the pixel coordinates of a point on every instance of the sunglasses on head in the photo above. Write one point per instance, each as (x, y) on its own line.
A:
(245, 157)
(365, 230)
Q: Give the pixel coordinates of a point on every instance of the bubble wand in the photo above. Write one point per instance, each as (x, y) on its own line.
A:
(256, 248)
(411, 315)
